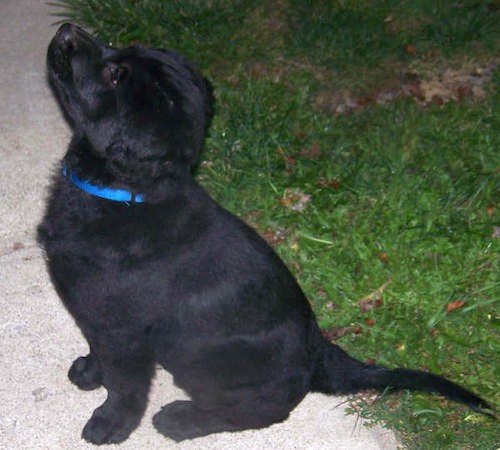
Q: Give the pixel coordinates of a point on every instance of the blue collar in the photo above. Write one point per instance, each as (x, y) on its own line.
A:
(117, 195)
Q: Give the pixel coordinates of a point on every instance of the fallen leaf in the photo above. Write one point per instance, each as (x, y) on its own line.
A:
(454, 305)
(289, 160)
(332, 334)
(251, 218)
(374, 299)
(369, 303)
(437, 100)
(413, 89)
(323, 182)
(410, 49)
(313, 152)
(274, 237)
(295, 199)
(463, 92)
(383, 257)
(258, 70)
(363, 102)
(296, 267)
(294, 245)
(331, 306)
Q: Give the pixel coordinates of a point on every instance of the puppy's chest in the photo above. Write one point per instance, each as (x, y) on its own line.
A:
(120, 242)
(103, 236)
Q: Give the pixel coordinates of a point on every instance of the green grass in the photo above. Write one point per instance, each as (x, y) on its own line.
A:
(401, 196)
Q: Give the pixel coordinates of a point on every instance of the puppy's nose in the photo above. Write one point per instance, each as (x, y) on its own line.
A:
(66, 36)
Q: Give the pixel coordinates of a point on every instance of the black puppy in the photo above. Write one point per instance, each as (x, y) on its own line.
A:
(154, 271)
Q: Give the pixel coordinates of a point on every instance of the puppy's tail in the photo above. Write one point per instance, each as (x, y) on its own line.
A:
(338, 373)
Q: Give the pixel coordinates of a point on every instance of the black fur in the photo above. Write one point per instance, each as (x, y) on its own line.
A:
(176, 280)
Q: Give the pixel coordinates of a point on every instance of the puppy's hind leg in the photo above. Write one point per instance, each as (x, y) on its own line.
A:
(182, 420)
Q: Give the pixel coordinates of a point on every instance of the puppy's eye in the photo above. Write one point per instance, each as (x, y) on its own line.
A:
(115, 73)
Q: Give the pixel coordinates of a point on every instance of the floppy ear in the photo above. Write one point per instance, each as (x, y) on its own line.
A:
(178, 63)
(200, 102)
(191, 92)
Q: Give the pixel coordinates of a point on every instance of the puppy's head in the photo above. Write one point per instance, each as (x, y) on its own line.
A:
(138, 108)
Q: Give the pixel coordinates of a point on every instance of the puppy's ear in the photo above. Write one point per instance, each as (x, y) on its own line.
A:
(196, 95)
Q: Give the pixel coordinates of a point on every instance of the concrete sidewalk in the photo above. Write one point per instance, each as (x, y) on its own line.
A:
(40, 408)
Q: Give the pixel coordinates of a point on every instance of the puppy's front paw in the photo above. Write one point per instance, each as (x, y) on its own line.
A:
(85, 373)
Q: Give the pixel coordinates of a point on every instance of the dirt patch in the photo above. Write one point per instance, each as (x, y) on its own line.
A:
(425, 86)
(455, 85)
